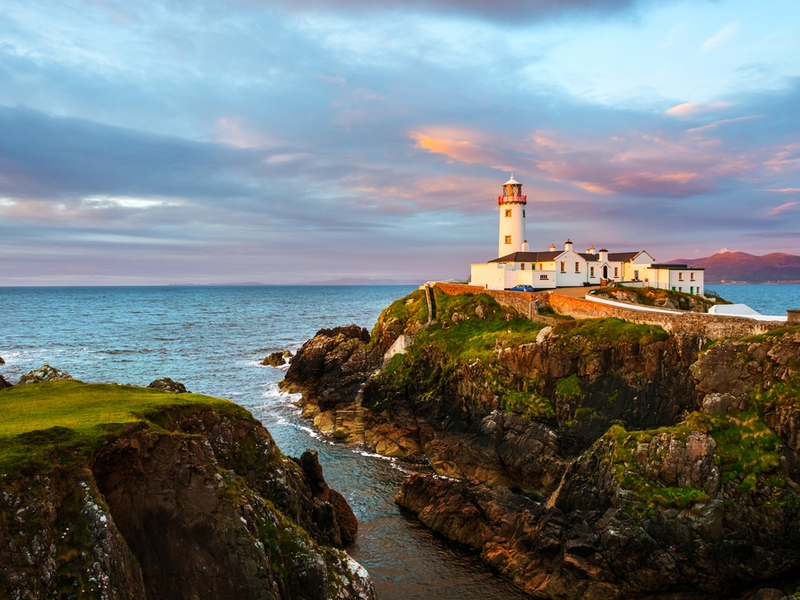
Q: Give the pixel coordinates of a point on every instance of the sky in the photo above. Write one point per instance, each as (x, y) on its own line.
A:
(294, 141)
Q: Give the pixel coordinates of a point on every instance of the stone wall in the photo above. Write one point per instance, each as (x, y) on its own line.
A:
(709, 326)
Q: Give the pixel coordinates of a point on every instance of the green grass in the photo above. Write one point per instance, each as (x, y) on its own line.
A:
(746, 453)
(569, 388)
(412, 308)
(475, 337)
(49, 421)
(781, 393)
(773, 333)
(610, 330)
(535, 406)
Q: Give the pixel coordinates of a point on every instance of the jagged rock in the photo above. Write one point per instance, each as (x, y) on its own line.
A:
(168, 385)
(2, 362)
(204, 506)
(666, 303)
(4, 383)
(276, 359)
(458, 317)
(479, 312)
(625, 296)
(330, 368)
(346, 524)
(43, 374)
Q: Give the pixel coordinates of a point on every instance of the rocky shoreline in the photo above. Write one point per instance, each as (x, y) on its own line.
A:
(583, 459)
(185, 497)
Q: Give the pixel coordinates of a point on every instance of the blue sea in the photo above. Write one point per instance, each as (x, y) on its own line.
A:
(212, 339)
(767, 298)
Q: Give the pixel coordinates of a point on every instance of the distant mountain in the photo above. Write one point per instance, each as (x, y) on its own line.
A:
(740, 267)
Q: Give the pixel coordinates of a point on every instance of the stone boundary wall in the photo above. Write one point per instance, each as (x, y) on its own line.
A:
(523, 302)
(709, 326)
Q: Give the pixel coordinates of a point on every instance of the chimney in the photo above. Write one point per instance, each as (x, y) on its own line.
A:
(603, 255)
(567, 245)
(525, 246)
(552, 247)
(590, 250)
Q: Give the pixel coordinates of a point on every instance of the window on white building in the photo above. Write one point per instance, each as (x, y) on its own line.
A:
(522, 267)
(563, 267)
(508, 212)
(577, 267)
(636, 275)
(543, 277)
(591, 271)
(508, 239)
(523, 213)
(691, 276)
(680, 276)
(616, 271)
(540, 266)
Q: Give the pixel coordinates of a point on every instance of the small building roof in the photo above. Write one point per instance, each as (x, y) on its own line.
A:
(511, 181)
(519, 257)
(621, 256)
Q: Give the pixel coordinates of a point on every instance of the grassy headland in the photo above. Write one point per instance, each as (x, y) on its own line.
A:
(45, 422)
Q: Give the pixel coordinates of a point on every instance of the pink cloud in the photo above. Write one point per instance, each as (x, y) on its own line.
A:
(688, 110)
(779, 209)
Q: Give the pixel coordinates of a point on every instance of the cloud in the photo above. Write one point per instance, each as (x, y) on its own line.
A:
(689, 110)
(503, 11)
(719, 37)
(779, 209)
(716, 124)
(786, 191)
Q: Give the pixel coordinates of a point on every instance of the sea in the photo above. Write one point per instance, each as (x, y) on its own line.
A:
(767, 298)
(212, 339)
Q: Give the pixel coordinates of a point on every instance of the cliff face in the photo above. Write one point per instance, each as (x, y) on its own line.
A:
(191, 502)
(593, 459)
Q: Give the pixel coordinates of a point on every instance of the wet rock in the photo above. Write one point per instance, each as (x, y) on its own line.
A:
(4, 383)
(44, 374)
(2, 362)
(168, 385)
(345, 520)
(330, 368)
(276, 359)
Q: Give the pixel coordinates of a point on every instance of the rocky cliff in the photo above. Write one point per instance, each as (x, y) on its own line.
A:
(583, 459)
(138, 493)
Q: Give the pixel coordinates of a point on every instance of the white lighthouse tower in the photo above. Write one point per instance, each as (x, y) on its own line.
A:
(512, 218)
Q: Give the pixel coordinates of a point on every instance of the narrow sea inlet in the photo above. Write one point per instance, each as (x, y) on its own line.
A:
(212, 339)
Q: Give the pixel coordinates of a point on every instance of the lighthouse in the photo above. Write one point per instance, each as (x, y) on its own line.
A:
(512, 218)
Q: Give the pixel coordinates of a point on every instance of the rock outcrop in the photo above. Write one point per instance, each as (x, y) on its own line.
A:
(277, 359)
(44, 373)
(4, 383)
(588, 459)
(203, 505)
(168, 385)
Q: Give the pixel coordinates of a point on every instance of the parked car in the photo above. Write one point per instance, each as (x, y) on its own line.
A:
(523, 288)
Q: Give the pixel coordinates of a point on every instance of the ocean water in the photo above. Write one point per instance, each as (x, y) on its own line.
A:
(212, 339)
(767, 298)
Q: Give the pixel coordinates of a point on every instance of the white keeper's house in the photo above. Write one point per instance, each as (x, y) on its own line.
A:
(553, 268)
